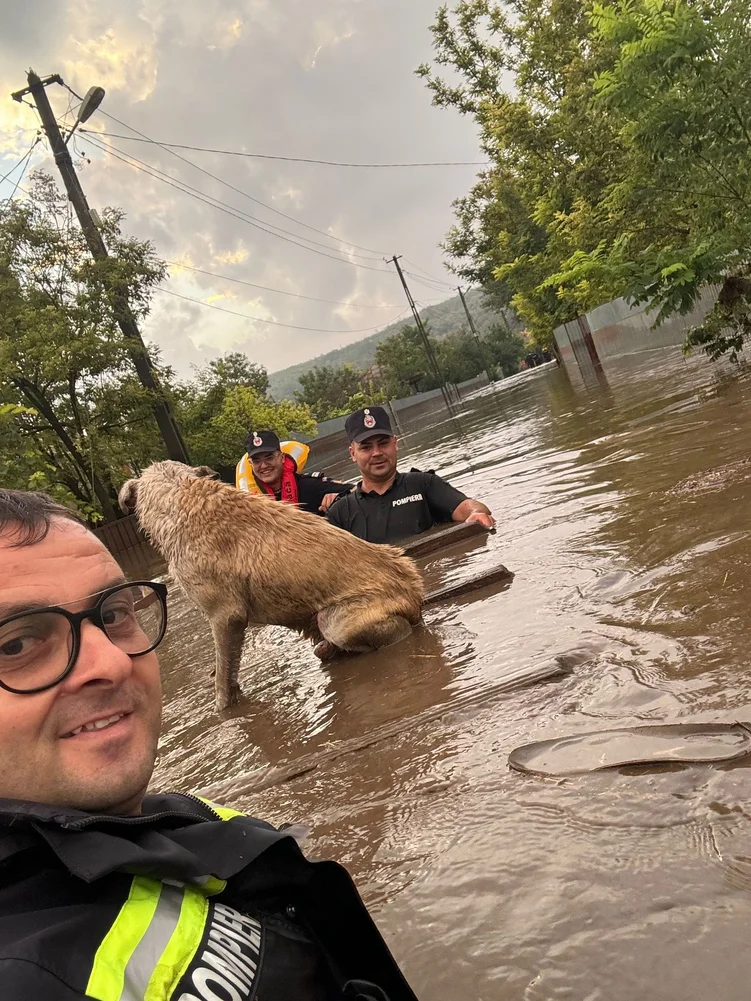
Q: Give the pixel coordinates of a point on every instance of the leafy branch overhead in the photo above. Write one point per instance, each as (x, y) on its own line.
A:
(618, 138)
(74, 418)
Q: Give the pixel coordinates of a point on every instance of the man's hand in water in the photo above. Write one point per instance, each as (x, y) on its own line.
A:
(487, 520)
(327, 501)
(472, 510)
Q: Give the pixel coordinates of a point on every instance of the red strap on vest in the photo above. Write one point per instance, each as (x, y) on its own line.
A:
(289, 482)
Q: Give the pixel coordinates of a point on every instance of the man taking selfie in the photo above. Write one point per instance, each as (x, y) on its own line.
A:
(107, 892)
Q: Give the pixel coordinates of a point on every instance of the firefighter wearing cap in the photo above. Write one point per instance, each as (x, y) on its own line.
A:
(275, 473)
(386, 505)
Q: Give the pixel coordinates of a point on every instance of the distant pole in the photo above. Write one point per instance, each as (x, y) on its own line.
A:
(176, 448)
(432, 361)
(474, 329)
(470, 321)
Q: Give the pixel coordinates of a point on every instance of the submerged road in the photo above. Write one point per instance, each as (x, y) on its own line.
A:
(625, 512)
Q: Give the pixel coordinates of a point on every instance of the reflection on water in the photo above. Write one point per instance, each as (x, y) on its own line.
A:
(490, 884)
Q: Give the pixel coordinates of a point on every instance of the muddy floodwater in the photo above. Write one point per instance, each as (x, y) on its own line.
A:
(624, 509)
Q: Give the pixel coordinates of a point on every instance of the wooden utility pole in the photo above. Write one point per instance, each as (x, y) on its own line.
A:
(176, 448)
(432, 361)
(472, 327)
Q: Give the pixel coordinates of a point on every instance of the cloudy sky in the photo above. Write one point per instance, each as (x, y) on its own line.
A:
(323, 79)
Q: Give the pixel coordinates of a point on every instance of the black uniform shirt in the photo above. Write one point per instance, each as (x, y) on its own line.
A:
(413, 503)
(313, 487)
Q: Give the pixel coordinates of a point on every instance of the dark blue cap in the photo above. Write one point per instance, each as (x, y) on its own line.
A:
(368, 423)
(262, 441)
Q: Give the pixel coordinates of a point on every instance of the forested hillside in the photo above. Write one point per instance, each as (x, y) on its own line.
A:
(443, 318)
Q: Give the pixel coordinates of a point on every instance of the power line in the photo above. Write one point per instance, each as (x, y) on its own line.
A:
(441, 281)
(277, 323)
(221, 180)
(296, 295)
(431, 285)
(291, 159)
(216, 204)
(274, 231)
(24, 160)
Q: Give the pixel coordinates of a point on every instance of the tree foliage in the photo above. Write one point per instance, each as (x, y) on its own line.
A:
(327, 389)
(403, 366)
(618, 138)
(74, 418)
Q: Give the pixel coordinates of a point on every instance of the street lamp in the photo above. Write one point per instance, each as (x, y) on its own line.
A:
(92, 100)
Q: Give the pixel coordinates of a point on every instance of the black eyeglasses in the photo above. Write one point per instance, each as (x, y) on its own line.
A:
(39, 649)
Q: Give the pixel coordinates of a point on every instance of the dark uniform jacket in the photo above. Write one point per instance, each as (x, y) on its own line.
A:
(186, 902)
(414, 503)
(313, 487)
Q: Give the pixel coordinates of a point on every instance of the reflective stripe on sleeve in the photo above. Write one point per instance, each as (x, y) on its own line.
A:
(107, 978)
(181, 948)
(151, 943)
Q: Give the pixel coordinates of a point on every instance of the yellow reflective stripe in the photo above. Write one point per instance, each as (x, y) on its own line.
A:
(181, 947)
(107, 978)
(212, 885)
(224, 812)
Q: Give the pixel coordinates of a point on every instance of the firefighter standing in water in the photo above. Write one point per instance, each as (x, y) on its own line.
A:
(274, 472)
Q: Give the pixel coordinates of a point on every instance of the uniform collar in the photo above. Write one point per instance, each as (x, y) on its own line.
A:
(171, 839)
(372, 493)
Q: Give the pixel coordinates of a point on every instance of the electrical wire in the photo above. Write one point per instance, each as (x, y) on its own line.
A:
(441, 281)
(277, 323)
(221, 180)
(142, 137)
(275, 230)
(428, 284)
(290, 159)
(24, 160)
(266, 288)
(215, 203)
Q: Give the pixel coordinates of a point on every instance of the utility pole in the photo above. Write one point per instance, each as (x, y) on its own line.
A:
(176, 448)
(432, 361)
(472, 327)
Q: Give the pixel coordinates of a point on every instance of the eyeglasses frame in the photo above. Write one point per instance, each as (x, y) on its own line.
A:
(94, 614)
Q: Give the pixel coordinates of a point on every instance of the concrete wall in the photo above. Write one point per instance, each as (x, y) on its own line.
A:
(330, 444)
(619, 329)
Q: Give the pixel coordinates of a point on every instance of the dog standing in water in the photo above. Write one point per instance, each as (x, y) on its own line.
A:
(246, 561)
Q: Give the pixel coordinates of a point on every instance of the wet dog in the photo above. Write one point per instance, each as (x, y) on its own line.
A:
(244, 559)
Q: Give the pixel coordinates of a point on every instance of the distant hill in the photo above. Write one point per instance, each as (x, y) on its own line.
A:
(443, 318)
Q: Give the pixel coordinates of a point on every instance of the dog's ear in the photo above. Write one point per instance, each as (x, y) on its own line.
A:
(128, 496)
(206, 472)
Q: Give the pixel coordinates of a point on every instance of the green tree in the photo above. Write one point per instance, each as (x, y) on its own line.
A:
(618, 138)
(402, 363)
(74, 418)
(525, 71)
(326, 389)
(63, 358)
(506, 349)
(679, 94)
(234, 369)
(220, 441)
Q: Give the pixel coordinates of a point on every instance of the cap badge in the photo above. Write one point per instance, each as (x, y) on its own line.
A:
(257, 441)
(369, 420)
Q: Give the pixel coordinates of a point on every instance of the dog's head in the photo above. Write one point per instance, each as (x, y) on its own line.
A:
(172, 472)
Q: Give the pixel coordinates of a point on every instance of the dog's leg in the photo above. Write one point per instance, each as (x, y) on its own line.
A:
(356, 627)
(229, 634)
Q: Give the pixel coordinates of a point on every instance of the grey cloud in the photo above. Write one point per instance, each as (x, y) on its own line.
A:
(239, 75)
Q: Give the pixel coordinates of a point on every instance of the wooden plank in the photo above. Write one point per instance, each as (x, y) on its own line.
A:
(486, 578)
(431, 542)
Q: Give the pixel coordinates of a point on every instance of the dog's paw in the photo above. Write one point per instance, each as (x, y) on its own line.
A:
(228, 697)
(326, 650)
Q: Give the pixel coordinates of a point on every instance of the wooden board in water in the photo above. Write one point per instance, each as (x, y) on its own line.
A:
(432, 542)
(495, 575)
